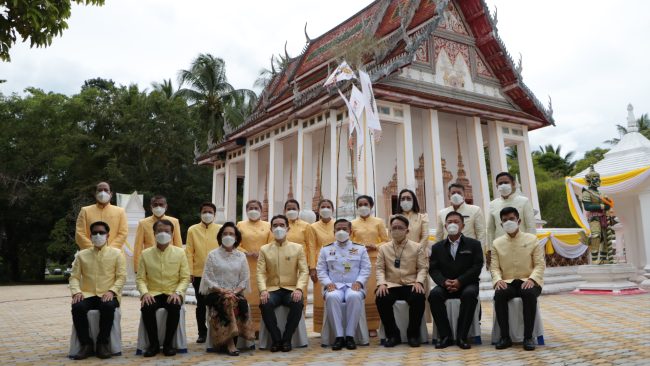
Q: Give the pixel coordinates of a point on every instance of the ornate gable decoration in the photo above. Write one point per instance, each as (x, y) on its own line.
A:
(452, 21)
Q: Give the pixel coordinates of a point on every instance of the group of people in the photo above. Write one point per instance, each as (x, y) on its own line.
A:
(242, 272)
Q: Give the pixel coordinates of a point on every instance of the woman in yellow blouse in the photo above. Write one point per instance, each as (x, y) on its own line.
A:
(418, 222)
(255, 233)
(322, 234)
(369, 231)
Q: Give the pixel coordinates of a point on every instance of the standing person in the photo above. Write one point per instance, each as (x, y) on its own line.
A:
(102, 210)
(144, 237)
(322, 234)
(474, 223)
(98, 275)
(255, 233)
(281, 275)
(201, 240)
(163, 277)
(224, 281)
(300, 232)
(418, 222)
(508, 198)
(455, 265)
(369, 231)
(401, 273)
(517, 271)
(343, 268)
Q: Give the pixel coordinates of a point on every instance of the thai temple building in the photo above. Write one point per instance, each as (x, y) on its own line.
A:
(450, 99)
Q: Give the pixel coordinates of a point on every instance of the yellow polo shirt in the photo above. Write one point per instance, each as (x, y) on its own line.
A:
(201, 240)
(145, 238)
(163, 271)
(114, 216)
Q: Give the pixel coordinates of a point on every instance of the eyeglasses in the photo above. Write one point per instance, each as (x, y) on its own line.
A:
(98, 233)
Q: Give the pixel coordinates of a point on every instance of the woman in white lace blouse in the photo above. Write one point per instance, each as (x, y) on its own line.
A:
(225, 279)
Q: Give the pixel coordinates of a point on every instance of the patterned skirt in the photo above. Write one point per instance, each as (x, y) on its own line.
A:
(228, 318)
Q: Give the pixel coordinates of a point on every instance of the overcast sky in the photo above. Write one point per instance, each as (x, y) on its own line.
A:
(591, 57)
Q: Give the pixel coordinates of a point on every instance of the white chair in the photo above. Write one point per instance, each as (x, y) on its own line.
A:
(115, 338)
(180, 339)
(453, 309)
(401, 311)
(516, 323)
(328, 333)
(242, 344)
(299, 338)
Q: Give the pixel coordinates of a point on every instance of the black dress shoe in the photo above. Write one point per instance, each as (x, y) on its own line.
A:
(152, 350)
(414, 342)
(350, 343)
(462, 343)
(529, 344)
(443, 343)
(275, 346)
(338, 344)
(392, 342)
(201, 339)
(233, 353)
(286, 346)
(503, 343)
(85, 352)
(103, 351)
(169, 350)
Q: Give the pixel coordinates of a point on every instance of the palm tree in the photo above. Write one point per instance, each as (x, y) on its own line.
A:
(165, 87)
(210, 93)
(643, 125)
(550, 158)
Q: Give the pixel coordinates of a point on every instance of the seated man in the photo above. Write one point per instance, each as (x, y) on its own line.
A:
(455, 265)
(163, 277)
(517, 271)
(343, 269)
(98, 274)
(401, 272)
(281, 274)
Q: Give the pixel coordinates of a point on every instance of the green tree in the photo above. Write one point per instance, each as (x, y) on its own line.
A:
(550, 158)
(36, 21)
(166, 88)
(209, 92)
(591, 157)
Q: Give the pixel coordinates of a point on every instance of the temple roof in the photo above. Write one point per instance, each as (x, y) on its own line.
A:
(300, 83)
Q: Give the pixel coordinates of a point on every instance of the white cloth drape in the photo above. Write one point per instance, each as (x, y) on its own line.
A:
(565, 250)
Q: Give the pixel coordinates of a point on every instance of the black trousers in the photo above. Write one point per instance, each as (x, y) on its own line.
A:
(149, 319)
(416, 310)
(529, 300)
(106, 315)
(281, 297)
(200, 308)
(468, 296)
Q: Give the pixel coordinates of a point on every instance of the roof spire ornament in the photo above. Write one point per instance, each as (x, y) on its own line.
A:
(495, 19)
(631, 121)
(308, 40)
(550, 107)
(520, 67)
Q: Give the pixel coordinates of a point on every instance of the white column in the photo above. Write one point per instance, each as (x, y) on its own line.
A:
(297, 176)
(251, 174)
(497, 149)
(527, 172)
(639, 253)
(331, 121)
(479, 170)
(231, 192)
(219, 186)
(435, 166)
(305, 176)
(272, 173)
(407, 143)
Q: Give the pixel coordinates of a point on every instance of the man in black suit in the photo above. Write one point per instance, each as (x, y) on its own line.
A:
(455, 265)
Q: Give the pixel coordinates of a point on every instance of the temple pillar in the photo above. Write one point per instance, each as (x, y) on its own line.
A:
(275, 174)
(251, 180)
(331, 124)
(297, 187)
(407, 176)
(218, 186)
(527, 172)
(435, 190)
(305, 170)
(639, 253)
(497, 149)
(477, 161)
(230, 197)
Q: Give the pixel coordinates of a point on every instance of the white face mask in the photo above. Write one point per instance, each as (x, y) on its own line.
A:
(207, 217)
(406, 205)
(510, 226)
(253, 215)
(163, 238)
(292, 214)
(457, 199)
(158, 211)
(228, 241)
(103, 197)
(342, 236)
(279, 233)
(452, 229)
(98, 240)
(325, 213)
(363, 211)
(505, 189)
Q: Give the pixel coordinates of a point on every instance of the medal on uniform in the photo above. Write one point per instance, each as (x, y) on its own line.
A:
(354, 251)
(347, 267)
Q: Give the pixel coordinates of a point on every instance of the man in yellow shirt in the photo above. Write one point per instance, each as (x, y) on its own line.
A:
(163, 277)
(144, 237)
(282, 273)
(517, 271)
(201, 240)
(98, 274)
(103, 211)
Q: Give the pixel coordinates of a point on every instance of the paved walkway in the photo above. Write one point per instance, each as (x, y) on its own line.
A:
(35, 325)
